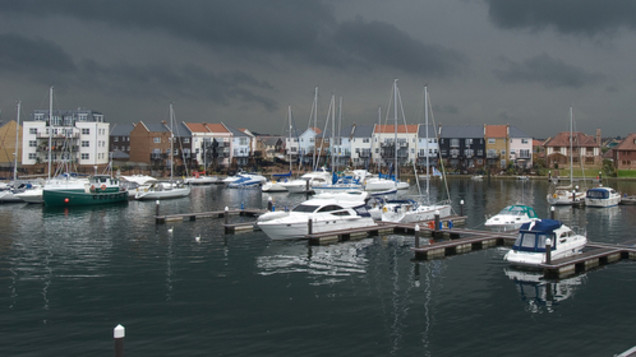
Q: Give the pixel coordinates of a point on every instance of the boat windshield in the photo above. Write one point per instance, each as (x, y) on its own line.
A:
(305, 208)
(532, 241)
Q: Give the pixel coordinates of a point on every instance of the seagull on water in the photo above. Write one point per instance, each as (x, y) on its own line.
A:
(170, 229)
(197, 238)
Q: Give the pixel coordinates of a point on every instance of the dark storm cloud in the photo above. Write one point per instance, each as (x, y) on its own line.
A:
(168, 81)
(306, 31)
(273, 25)
(547, 71)
(373, 43)
(18, 53)
(567, 16)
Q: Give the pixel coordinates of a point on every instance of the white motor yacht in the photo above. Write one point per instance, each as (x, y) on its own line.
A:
(529, 250)
(325, 214)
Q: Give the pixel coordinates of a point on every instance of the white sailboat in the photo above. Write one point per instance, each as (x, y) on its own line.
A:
(282, 181)
(567, 194)
(407, 210)
(165, 190)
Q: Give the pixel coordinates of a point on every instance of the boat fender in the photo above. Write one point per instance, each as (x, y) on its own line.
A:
(431, 225)
(103, 187)
(554, 195)
(384, 209)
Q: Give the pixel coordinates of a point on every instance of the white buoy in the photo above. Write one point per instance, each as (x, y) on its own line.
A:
(197, 238)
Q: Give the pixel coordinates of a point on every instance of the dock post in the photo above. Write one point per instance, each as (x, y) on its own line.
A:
(157, 208)
(310, 226)
(226, 215)
(436, 229)
(573, 198)
(269, 203)
(549, 175)
(548, 251)
(461, 208)
(242, 205)
(119, 332)
(307, 189)
(551, 212)
(600, 177)
(417, 235)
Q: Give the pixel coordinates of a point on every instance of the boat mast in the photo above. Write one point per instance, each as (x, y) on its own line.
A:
(15, 155)
(395, 115)
(171, 143)
(289, 114)
(50, 127)
(426, 144)
(379, 124)
(315, 114)
(571, 152)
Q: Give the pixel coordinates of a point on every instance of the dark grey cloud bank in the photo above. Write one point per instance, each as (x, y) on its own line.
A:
(588, 17)
(243, 62)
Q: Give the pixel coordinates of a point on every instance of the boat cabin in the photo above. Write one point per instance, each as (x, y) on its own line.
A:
(600, 193)
(532, 235)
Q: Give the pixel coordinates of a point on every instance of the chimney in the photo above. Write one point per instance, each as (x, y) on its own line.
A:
(598, 138)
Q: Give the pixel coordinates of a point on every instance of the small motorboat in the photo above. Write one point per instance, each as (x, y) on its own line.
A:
(529, 249)
(511, 217)
(602, 197)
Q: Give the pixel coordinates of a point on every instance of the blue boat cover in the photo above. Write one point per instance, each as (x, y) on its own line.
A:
(544, 225)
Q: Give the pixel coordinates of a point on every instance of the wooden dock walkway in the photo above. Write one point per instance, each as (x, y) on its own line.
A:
(160, 219)
(445, 241)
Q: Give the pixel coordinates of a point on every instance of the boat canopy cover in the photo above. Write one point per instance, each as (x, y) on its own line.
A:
(543, 226)
(519, 210)
(599, 192)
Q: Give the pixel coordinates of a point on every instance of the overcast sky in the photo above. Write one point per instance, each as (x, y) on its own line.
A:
(515, 62)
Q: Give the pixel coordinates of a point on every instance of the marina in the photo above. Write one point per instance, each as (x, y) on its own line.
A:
(183, 285)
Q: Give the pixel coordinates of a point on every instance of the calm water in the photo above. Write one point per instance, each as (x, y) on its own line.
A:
(67, 278)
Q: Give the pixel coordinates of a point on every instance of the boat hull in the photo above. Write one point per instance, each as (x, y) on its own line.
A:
(284, 229)
(62, 198)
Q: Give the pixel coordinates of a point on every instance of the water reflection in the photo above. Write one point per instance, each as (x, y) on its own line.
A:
(543, 295)
(327, 264)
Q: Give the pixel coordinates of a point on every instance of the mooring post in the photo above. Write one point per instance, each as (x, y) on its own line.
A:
(119, 332)
(269, 203)
(157, 208)
(310, 226)
(242, 205)
(417, 235)
(226, 215)
(551, 212)
(461, 208)
(548, 251)
(437, 228)
(573, 198)
(600, 177)
(549, 175)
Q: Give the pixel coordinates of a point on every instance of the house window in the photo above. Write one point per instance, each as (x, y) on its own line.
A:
(33, 130)
(115, 139)
(33, 143)
(186, 140)
(32, 156)
(86, 131)
(156, 140)
(85, 143)
(491, 141)
(84, 156)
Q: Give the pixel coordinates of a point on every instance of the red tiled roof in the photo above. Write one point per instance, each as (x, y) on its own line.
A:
(401, 129)
(628, 144)
(563, 139)
(197, 127)
(496, 131)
